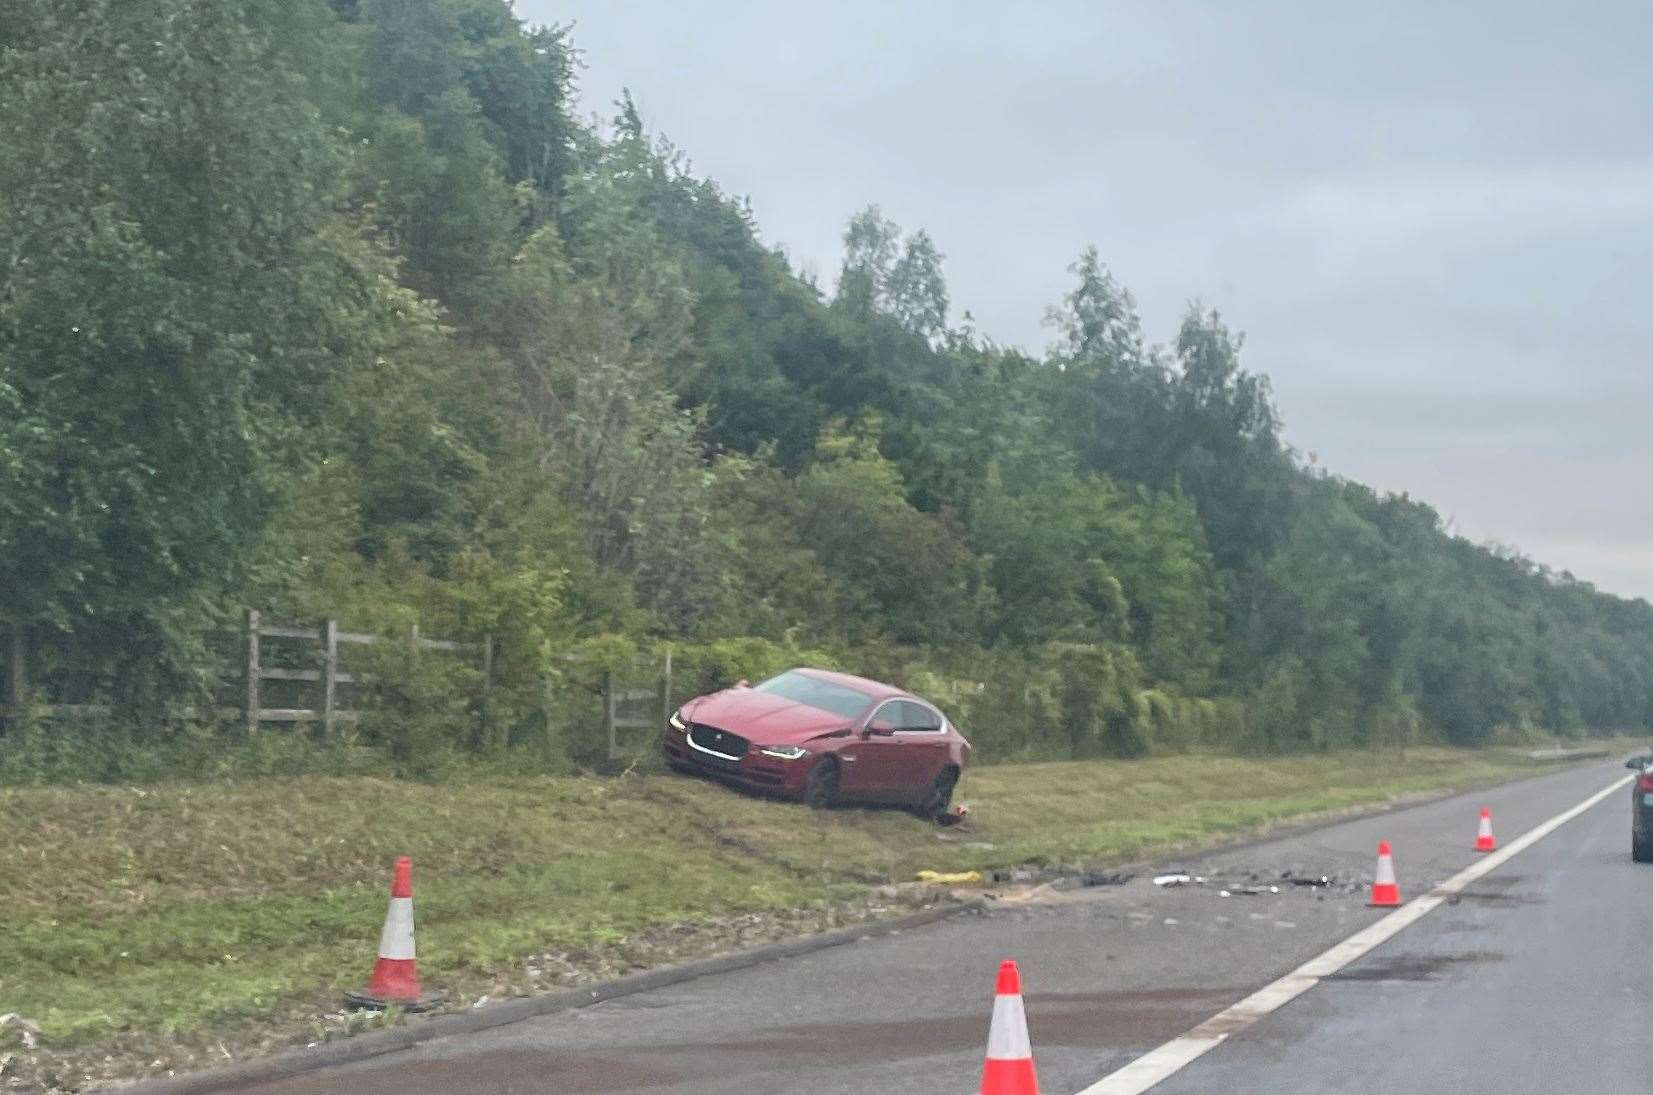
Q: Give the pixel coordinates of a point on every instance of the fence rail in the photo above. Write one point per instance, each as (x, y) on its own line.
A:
(325, 708)
(630, 701)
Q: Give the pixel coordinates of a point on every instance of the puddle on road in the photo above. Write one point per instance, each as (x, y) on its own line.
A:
(1494, 897)
(1495, 890)
(1413, 967)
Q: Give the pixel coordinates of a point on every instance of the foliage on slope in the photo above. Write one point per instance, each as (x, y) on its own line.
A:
(336, 309)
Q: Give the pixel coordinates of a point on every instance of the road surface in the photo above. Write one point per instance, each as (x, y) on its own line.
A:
(1534, 981)
(1530, 983)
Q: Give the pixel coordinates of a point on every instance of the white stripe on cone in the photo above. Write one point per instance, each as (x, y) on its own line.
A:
(1385, 871)
(1007, 1037)
(396, 941)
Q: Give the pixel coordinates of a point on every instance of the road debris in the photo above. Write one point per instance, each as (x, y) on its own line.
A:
(1057, 878)
(1173, 879)
(1291, 877)
(1104, 878)
(953, 878)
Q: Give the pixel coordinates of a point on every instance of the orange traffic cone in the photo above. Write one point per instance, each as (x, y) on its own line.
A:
(1009, 1067)
(395, 977)
(1483, 839)
(1385, 890)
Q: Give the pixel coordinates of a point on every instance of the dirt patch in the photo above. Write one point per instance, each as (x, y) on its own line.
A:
(1413, 967)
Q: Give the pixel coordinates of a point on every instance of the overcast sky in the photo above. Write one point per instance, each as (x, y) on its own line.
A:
(1433, 222)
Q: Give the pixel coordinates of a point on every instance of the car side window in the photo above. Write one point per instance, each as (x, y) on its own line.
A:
(916, 716)
(888, 715)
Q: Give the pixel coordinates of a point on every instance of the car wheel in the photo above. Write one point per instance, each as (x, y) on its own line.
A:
(940, 795)
(821, 785)
(1641, 848)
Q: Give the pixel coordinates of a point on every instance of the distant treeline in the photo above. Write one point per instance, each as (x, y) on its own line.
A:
(337, 310)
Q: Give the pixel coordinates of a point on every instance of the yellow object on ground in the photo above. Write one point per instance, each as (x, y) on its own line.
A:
(956, 878)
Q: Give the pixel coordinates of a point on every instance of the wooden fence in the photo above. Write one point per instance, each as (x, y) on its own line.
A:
(617, 699)
(636, 697)
(327, 676)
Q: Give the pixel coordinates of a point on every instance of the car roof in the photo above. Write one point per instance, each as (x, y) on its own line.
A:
(876, 689)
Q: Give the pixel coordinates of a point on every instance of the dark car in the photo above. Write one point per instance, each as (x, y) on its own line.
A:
(823, 738)
(1641, 809)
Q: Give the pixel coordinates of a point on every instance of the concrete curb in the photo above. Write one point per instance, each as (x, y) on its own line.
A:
(364, 1047)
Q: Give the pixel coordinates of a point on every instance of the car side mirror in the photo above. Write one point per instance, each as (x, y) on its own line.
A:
(880, 727)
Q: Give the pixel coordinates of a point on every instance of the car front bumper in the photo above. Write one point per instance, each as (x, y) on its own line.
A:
(754, 772)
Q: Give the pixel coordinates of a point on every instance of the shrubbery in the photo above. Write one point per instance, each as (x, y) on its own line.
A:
(345, 315)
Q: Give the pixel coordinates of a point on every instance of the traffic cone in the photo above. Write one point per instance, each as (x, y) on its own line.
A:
(1385, 890)
(1483, 839)
(1009, 1067)
(395, 977)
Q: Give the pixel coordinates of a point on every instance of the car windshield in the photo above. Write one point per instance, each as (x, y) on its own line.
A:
(814, 692)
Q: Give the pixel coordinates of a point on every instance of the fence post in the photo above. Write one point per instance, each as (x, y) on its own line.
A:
(329, 674)
(252, 671)
(548, 697)
(666, 688)
(17, 681)
(608, 713)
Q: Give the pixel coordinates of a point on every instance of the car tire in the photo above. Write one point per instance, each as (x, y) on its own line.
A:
(940, 794)
(821, 785)
(1641, 848)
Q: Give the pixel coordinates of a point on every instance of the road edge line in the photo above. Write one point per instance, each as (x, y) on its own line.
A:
(1166, 1060)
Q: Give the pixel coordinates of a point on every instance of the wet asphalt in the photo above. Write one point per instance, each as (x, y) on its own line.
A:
(1529, 983)
(1536, 981)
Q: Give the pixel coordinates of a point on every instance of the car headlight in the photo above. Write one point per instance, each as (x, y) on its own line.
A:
(677, 721)
(785, 752)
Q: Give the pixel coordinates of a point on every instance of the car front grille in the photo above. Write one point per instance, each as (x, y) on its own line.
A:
(728, 747)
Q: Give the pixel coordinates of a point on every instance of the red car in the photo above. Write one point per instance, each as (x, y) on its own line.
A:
(823, 738)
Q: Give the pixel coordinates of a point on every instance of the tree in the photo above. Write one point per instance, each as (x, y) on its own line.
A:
(1098, 320)
(898, 278)
(1106, 395)
(909, 576)
(177, 295)
(915, 290)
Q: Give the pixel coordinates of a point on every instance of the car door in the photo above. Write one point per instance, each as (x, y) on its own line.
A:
(923, 748)
(871, 765)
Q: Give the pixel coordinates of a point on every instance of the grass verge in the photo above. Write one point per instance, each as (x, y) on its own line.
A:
(174, 926)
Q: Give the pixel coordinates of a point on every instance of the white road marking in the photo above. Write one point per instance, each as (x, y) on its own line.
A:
(1159, 1064)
